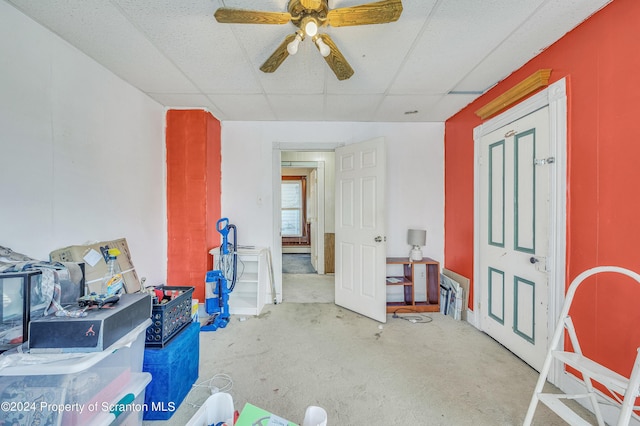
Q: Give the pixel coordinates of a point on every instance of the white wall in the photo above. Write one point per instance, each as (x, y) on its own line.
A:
(81, 151)
(415, 177)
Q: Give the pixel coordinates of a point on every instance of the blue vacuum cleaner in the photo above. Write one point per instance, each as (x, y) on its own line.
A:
(217, 281)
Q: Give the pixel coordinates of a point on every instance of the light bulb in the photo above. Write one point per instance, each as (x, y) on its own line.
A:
(322, 46)
(311, 28)
(292, 47)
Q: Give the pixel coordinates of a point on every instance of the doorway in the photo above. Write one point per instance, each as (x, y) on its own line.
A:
(299, 213)
(359, 171)
(306, 227)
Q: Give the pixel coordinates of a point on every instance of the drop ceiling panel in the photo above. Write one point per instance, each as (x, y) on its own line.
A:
(244, 107)
(184, 100)
(449, 105)
(181, 56)
(373, 53)
(409, 108)
(377, 52)
(360, 107)
(99, 29)
(299, 107)
(189, 36)
(263, 5)
(549, 24)
(456, 39)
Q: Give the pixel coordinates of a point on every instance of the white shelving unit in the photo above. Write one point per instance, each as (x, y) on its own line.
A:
(248, 296)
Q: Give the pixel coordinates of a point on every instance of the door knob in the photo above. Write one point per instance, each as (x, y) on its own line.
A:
(534, 260)
(378, 239)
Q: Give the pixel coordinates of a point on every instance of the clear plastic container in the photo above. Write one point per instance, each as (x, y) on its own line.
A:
(72, 389)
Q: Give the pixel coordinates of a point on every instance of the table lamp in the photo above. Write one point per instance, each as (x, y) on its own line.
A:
(416, 238)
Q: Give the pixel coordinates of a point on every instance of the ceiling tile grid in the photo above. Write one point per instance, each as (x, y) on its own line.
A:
(454, 43)
(437, 58)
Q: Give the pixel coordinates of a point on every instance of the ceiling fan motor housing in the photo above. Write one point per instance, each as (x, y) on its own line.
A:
(300, 9)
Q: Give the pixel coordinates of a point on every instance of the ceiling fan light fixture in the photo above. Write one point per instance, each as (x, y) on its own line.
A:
(310, 26)
(292, 47)
(322, 47)
(309, 16)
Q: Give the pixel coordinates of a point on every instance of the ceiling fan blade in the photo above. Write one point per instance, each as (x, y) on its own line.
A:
(278, 57)
(336, 61)
(371, 13)
(226, 15)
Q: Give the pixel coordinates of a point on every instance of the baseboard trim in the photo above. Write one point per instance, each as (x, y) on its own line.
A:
(296, 249)
(471, 318)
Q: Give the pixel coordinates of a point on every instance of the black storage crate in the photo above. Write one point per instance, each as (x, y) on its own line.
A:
(170, 317)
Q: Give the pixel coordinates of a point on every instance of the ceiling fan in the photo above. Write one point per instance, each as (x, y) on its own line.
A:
(309, 16)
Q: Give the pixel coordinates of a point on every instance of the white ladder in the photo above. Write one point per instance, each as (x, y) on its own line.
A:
(590, 370)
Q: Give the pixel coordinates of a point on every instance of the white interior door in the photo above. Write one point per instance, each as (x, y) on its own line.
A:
(514, 235)
(360, 226)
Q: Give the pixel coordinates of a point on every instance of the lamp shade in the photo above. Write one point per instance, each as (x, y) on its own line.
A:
(417, 237)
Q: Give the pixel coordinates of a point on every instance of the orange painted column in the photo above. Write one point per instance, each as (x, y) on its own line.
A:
(193, 145)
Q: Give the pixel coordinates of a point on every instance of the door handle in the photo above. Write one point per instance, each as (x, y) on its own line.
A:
(540, 263)
(379, 239)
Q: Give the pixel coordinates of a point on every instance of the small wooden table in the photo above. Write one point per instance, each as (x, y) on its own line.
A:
(407, 280)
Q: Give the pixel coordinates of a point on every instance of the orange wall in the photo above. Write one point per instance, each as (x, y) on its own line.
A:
(193, 196)
(600, 61)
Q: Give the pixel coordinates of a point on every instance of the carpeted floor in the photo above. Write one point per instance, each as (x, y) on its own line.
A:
(308, 288)
(434, 371)
(297, 263)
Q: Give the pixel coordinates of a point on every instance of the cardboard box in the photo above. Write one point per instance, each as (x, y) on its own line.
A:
(94, 256)
(95, 332)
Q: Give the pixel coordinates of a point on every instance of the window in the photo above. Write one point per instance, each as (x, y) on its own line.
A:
(292, 207)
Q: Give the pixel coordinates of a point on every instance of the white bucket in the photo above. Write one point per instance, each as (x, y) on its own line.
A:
(315, 416)
(217, 408)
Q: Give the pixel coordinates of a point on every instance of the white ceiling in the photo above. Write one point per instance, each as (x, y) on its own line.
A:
(437, 58)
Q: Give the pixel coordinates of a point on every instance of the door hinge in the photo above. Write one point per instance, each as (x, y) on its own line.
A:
(543, 161)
